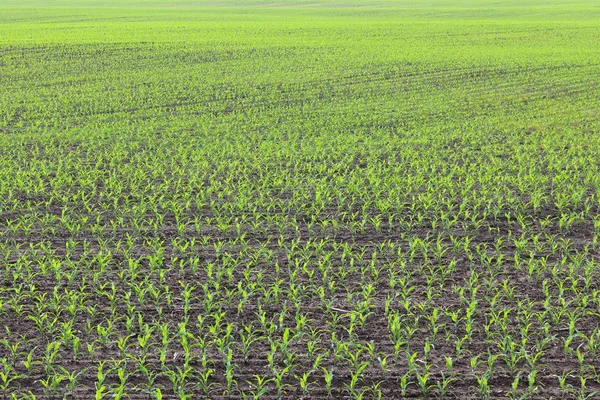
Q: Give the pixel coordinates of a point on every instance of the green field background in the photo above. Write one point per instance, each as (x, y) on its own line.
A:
(250, 148)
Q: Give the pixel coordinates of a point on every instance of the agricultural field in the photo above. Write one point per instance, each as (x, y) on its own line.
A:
(299, 199)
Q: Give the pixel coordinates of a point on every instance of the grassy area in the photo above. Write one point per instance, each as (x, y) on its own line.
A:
(299, 199)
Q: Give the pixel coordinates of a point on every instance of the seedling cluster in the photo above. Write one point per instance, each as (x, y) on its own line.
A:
(201, 203)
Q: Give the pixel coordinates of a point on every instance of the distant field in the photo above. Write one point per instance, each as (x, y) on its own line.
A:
(299, 199)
